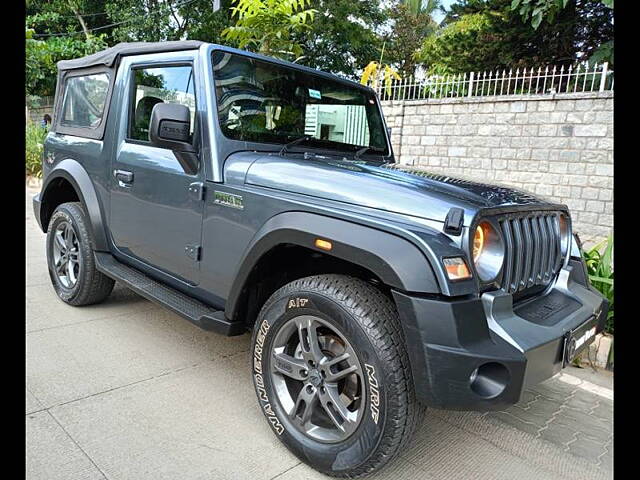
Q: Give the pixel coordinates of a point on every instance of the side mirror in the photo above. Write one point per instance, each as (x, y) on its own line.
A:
(169, 128)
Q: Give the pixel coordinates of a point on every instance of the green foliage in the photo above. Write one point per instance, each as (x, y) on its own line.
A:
(484, 35)
(464, 45)
(600, 270)
(343, 36)
(42, 57)
(537, 10)
(407, 32)
(34, 139)
(267, 25)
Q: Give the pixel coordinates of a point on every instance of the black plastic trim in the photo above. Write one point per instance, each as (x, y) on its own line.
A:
(196, 312)
(398, 263)
(77, 176)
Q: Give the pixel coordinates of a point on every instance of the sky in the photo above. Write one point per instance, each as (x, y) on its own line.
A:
(439, 16)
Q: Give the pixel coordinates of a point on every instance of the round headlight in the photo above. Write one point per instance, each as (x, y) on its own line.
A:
(565, 235)
(488, 251)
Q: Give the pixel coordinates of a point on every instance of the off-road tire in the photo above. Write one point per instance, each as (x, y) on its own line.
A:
(369, 321)
(91, 285)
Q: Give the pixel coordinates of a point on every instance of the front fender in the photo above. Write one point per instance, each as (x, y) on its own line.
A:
(77, 176)
(397, 262)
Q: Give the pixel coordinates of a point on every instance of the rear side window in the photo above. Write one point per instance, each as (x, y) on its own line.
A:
(170, 84)
(84, 100)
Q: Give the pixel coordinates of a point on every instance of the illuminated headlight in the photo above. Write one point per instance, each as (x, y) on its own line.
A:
(565, 234)
(487, 251)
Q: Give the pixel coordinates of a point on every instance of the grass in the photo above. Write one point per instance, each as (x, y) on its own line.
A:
(34, 139)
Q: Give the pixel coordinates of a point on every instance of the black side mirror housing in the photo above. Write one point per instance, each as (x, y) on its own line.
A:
(169, 128)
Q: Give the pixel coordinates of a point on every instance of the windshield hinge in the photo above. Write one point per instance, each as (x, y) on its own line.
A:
(196, 190)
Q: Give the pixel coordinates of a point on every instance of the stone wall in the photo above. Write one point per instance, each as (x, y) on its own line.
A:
(559, 147)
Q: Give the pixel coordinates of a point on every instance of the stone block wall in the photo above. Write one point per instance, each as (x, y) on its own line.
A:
(559, 147)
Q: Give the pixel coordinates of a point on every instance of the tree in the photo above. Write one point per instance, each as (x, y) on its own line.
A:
(267, 26)
(537, 10)
(343, 36)
(488, 34)
(411, 23)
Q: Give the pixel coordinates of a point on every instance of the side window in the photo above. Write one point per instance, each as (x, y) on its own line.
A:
(157, 85)
(84, 100)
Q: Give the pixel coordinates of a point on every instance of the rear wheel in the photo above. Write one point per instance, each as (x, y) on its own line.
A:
(70, 258)
(332, 374)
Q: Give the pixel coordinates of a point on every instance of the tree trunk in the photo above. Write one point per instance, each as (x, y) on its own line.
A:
(81, 20)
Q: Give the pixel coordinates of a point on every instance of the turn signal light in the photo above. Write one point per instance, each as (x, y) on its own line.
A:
(323, 244)
(456, 268)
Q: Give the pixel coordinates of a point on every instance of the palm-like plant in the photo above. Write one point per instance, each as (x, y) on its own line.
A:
(427, 7)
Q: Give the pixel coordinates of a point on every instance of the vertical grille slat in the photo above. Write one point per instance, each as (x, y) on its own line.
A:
(519, 255)
(508, 263)
(544, 253)
(528, 252)
(532, 249)
(536, 275)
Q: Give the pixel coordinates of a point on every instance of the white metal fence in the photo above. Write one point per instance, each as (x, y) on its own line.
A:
(540, 81)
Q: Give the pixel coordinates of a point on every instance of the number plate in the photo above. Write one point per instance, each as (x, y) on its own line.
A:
(578, 339)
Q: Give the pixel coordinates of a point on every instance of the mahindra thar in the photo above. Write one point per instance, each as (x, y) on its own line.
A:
(246, 193)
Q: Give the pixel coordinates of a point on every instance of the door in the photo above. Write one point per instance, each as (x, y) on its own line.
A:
(156, 208)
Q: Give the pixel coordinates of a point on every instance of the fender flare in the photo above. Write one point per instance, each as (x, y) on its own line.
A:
(73, 172)
(396, 261)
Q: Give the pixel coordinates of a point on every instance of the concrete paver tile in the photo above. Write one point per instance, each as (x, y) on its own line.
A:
(201, 422)
(74, 361)
(52, 455)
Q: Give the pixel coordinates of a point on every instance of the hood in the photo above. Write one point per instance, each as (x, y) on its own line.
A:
(389, 187)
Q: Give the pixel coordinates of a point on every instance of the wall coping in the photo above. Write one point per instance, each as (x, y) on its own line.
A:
(500, 98)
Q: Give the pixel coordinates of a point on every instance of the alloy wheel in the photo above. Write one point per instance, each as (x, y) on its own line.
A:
(318, 379)
(66, 254)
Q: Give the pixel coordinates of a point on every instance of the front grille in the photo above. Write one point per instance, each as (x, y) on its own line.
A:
(533, 255)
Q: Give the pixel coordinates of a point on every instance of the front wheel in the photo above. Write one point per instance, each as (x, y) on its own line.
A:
(332, 374)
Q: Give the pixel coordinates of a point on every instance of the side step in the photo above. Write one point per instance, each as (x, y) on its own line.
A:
(193, 310)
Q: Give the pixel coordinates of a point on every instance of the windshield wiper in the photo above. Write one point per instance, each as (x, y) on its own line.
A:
(285, 147)
(364, 150)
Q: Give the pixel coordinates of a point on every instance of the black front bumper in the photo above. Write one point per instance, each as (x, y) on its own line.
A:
(481, 353)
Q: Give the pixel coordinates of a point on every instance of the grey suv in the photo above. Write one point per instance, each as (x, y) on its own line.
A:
(250, 194)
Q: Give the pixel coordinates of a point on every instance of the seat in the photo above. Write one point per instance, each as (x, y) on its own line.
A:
(142, 117)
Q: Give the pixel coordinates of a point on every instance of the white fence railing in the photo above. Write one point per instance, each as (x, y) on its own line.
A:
(540, 81)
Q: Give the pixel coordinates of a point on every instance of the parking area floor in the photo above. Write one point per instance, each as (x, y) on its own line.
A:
(126, 390)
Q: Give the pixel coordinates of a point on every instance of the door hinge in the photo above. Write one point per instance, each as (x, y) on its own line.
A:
(193, 252)
(196, 190)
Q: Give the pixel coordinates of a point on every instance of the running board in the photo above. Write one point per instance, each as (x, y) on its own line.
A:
(193, 310)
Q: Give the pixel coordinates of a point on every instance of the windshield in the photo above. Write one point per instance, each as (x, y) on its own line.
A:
(264, 102)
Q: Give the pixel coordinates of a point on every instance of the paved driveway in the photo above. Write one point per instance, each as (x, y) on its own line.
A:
(128, 390)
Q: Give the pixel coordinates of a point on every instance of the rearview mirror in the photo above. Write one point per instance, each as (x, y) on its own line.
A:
(169, 128)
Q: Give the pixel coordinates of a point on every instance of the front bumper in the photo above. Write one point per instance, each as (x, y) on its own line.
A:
(481, 353)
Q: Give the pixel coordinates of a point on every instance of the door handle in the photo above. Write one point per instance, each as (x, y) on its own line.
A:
(123, 177)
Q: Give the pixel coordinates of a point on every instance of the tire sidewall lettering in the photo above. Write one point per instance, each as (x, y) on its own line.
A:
(362, 443)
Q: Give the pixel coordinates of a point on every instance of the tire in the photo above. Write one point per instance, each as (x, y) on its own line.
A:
(77, 281)
(353, 318)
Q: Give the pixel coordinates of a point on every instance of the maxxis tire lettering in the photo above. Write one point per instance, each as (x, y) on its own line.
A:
(259, 379)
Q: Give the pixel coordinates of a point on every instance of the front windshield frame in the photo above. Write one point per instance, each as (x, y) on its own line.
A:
(373, 112)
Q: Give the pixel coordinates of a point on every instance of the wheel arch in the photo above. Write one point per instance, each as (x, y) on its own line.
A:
(286, 243)
(68, 181)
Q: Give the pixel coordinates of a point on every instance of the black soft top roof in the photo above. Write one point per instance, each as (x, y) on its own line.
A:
(109, 56)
